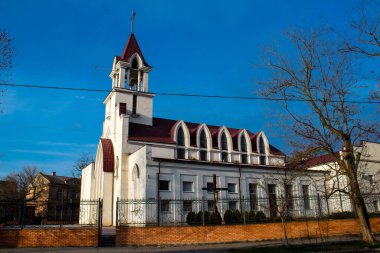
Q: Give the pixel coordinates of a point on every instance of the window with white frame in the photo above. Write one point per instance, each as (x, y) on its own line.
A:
(253, 196)
(243, 149)
(187, 205)
(289, 196)
(164, 185)
(232, 188)
(262, 151)
(306, 196)
(180, 143)
(210, 187)
(165, 205)
(203, 146)
(224, 147)
(210, 205)
(232, 205)
(187, 186)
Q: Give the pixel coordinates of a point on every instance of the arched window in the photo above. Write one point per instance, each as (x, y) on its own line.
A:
(243, 149)
(180, 143)
(135, 64)
(135, 173)
(202, 146)
(224, 147)
(262, 151)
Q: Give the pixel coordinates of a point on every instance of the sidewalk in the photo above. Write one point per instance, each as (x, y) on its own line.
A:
(183, 249)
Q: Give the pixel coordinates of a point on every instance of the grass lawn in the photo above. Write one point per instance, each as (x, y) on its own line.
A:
(353, 245)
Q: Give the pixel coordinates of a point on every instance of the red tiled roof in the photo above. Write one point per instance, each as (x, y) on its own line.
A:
(162, 131)
(319, 160)
(108, 155)
(130, 48)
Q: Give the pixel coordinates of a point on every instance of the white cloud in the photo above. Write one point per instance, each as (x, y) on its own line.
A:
(44, 152)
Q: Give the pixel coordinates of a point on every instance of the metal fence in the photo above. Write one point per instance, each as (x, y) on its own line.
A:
(178, 212)
(49, 212)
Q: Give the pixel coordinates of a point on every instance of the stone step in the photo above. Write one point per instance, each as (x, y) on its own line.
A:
(108, 241)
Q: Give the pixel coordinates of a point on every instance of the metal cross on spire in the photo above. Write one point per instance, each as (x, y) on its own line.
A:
(133, 21)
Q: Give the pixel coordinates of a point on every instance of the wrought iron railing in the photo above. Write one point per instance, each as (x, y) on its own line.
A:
(178, 212)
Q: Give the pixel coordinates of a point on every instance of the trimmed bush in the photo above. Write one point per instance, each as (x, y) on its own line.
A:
(214, 218)
(250, 217)
(342, 215)
(233, 217)
(191, 219)
(260, 216)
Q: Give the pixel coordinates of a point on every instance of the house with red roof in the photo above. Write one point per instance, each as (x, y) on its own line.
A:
(336, 184)
(142, 157)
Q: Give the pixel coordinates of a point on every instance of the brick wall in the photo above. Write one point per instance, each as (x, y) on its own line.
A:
(48, 237)
(237, 233)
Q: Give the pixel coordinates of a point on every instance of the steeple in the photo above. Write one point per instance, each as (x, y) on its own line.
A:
(130, 94)
(130, 70)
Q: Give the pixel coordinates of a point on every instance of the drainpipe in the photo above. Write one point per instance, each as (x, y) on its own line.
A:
(240, 200)
(158, 194)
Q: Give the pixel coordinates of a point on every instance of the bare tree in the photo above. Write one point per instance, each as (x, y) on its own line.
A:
(82, 162)
(29, 186)
(6, 52)
(366, 27)
(323, 77)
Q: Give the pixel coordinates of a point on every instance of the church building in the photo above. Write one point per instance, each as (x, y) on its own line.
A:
(142, 157)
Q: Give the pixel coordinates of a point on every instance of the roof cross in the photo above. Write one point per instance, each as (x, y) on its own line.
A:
(133, 21)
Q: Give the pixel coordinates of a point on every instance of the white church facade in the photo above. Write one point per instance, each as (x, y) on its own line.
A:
(142, 157)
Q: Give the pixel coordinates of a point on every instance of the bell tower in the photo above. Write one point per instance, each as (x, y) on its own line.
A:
(130, 84)
(130, 70)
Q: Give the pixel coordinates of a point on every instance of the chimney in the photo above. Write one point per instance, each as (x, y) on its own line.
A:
(53, 174)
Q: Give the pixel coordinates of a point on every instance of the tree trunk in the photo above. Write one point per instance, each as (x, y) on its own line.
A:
(363, 217)
(284, 230)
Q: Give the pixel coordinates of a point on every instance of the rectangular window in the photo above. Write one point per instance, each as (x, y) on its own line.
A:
(232, 205)
(244, 158)
(224, 157)
(232, 188)
(59, 194)
(210, 205)
(187, 205)
(165, 205)
(253, 196)
(134, 104)
(272, 200)
(122, 108)
(164, 185)
(210, 187)
(180, 153)
(203, 155)
(262, 159)
(187, 186)
(289, 197)
(306, 198)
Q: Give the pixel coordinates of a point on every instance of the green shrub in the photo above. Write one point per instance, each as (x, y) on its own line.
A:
(342, 215)
(260, 216)
(214, 218)
(233, 217)
(250, 217)
(191, 219)
(228, 217)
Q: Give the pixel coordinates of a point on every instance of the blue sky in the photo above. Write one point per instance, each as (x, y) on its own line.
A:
(204, 47)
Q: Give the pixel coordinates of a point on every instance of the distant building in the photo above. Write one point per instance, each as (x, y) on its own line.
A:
(337, 182)
(55, 197)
